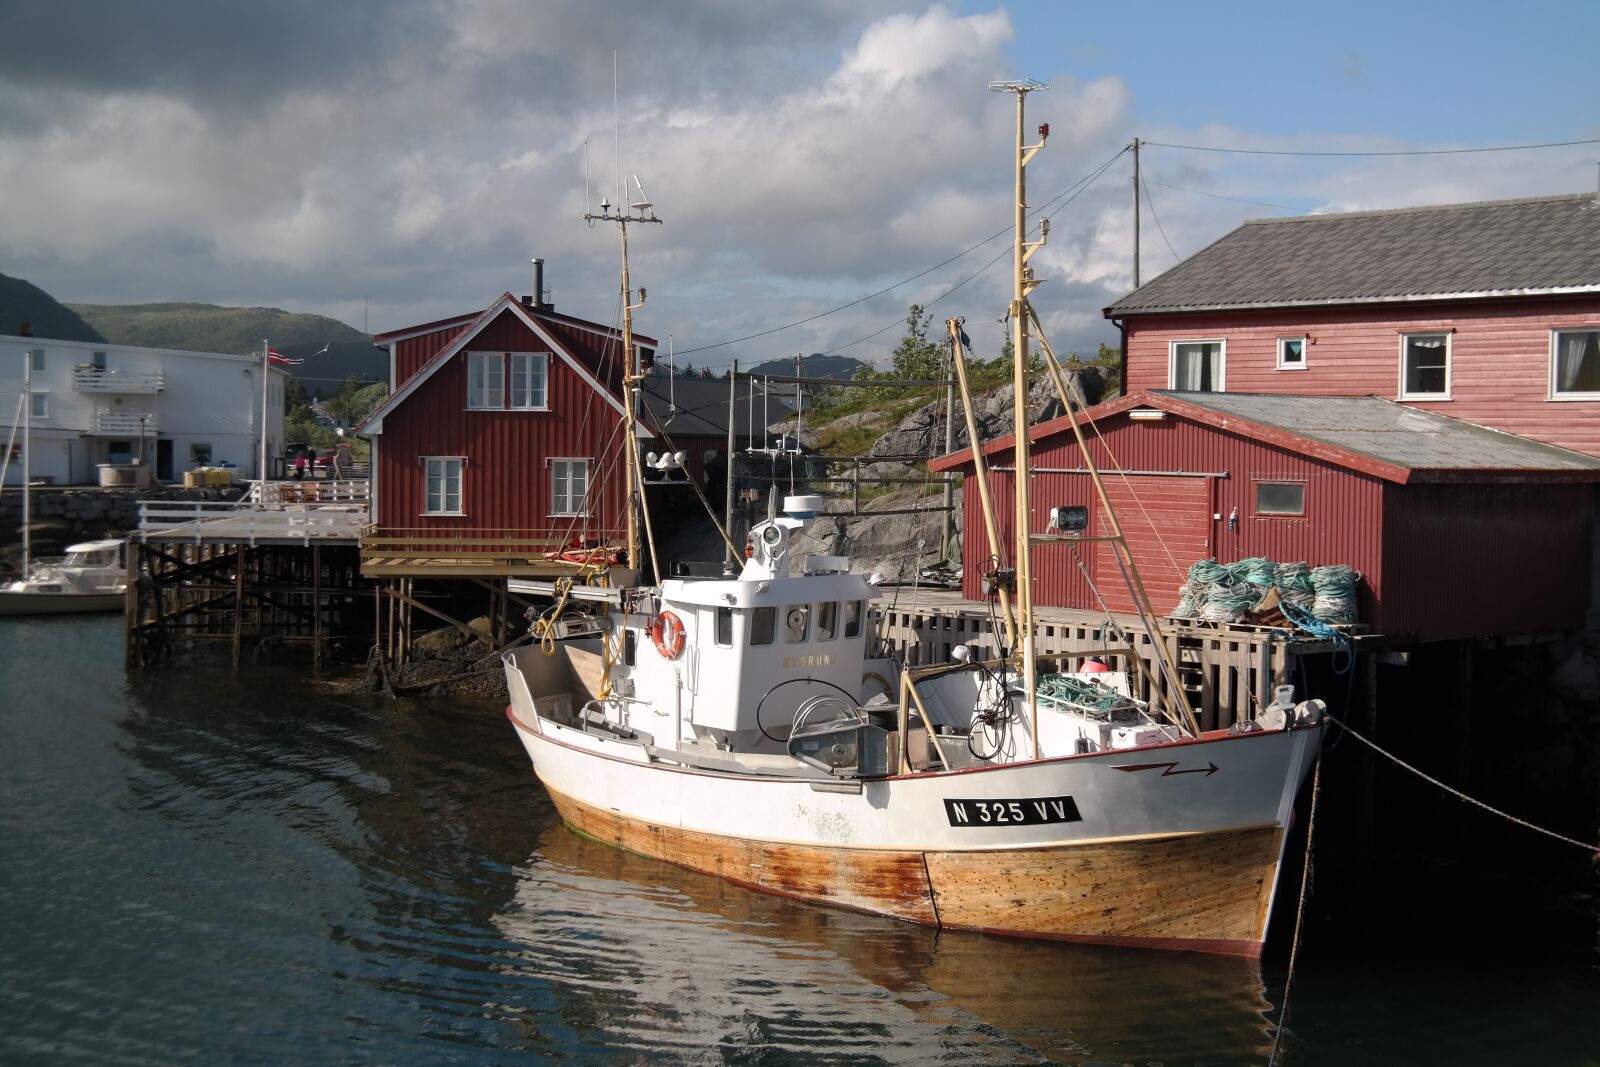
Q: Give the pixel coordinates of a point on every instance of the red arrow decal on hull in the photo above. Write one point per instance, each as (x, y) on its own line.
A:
(1171, 768)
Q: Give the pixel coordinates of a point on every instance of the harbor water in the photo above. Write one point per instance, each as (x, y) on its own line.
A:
(210, 867)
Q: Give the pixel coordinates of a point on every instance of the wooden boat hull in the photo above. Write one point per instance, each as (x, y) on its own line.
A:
(1198, 892)
(28, 603)
(1173, 846)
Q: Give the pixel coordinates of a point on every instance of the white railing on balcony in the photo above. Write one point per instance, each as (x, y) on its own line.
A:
(115, 422)
(101, 380)
(243, 522)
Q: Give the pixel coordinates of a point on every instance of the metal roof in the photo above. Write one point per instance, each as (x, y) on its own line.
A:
(1532, 247)
(1391, 433)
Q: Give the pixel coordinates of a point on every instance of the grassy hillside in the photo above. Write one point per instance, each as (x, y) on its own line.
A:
(209, 328)
(22, 301)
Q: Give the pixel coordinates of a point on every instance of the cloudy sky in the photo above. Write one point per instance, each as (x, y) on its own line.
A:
(389, 162)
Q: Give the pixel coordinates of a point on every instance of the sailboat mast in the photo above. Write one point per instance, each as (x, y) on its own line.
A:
(1021, 282)
(629, 378)
(27, 464)
(642, 211)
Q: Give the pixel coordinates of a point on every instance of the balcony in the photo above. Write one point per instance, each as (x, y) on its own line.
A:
(90, 379)
(117, 424)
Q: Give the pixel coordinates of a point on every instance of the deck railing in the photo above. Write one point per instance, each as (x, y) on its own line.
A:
(101, 380)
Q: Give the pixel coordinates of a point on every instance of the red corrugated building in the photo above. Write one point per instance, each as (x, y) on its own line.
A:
(500, 438)
(1488, 312)
(1457, 530)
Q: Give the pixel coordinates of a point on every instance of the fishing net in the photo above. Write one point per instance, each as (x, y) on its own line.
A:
(1227, 592)
(1081, 694)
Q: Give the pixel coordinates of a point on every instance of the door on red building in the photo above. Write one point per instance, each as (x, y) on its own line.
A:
(1167, 522)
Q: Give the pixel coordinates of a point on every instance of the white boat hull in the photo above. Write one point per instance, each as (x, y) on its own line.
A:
(1170, 846)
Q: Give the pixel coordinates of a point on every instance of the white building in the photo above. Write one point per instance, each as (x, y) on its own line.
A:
(99, 403)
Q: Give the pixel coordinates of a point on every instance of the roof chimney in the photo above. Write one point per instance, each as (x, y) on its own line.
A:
(538, 285)
(25, 329)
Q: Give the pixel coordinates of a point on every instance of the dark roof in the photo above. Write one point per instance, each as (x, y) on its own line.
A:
(1366, 433)
(1539, 246)
(701, 406)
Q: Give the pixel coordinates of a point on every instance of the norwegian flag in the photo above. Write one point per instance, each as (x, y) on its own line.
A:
(274, 356)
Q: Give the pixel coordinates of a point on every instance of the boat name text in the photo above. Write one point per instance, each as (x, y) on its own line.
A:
(1026, 811)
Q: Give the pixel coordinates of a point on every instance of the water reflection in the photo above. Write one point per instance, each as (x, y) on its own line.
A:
(646, 957)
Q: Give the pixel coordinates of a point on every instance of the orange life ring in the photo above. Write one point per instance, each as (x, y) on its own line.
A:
(666, 632)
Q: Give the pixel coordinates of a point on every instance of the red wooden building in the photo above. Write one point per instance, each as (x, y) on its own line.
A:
(1457, 530)
(1488, 312)
(500, 443)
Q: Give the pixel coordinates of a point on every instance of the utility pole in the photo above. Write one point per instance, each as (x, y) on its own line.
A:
(639, 211)
(1136, 212)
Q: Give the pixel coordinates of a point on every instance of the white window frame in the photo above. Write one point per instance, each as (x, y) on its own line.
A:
(1221, 384)
(39, 405)
(1284, 364)
(1449, 363)
(36, 360)
(444, 462)
(528, 360)
(486, 391)
(566, 507)
(1555, 352)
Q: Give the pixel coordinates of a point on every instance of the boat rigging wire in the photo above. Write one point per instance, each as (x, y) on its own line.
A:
(1089, 179)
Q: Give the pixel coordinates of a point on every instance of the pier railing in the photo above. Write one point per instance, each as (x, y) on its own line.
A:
(244, 522)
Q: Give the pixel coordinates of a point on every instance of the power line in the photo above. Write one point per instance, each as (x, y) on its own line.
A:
(1234, 199)
(1398, 152)
(1150, 201)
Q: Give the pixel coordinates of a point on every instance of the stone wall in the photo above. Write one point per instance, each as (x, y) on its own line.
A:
(64, 516)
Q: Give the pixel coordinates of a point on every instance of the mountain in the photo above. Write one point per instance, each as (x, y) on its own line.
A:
(209, 328)
(23, 302)
(816, 365)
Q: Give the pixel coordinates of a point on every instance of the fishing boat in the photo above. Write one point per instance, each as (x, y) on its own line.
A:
(91, 577)
(748, 726)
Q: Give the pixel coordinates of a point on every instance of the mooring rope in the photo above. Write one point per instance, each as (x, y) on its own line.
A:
(1593, 849)
(1299, 913)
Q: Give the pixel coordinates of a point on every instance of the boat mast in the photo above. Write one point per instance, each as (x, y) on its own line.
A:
(639, 211)
(1022, 282)
(27, 464)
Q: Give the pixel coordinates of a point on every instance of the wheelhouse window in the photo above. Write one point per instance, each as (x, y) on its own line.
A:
(1197, 366)
(1280, 498)
(827, 620)
(852, 618)
(763, 625)
(1425, 366)
(725, 627)
(797, 623)
(508, 381)
(1291, 353)
(443, 481)
(1575, 365)
(569, 486)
